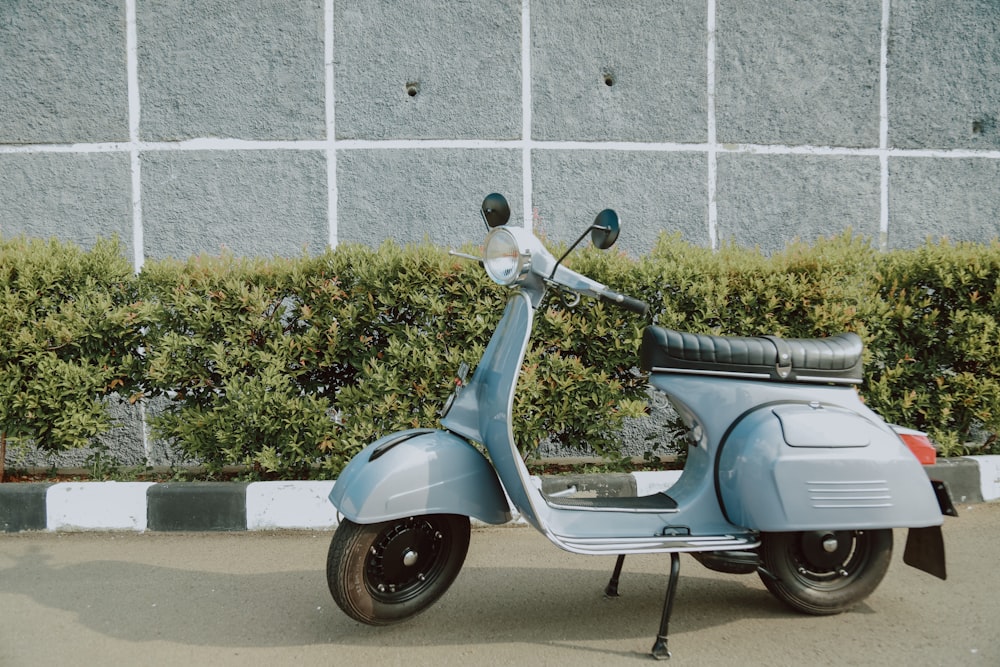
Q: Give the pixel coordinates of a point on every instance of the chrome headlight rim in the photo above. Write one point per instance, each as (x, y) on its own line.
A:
(505, 260)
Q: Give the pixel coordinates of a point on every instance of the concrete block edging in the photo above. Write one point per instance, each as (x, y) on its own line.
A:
(303, 505)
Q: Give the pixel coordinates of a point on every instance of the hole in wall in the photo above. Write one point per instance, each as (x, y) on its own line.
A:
(609, 79)
(412, 88)
(985, 124)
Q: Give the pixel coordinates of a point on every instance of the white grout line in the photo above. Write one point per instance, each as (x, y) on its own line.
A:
(956, 153)
(883, 127)
(635, 146)
(527, 211)
(132, 74)
(144, 432)
(712, 152)
(404, 144)
(135, 165)
(106, 147)
(806, 149)
(215, 144)
(331, 133)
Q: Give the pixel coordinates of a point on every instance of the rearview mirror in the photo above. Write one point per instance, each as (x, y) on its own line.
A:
(604, 231)
(496, 211)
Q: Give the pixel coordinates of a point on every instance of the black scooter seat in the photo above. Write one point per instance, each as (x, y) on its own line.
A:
(836, 359)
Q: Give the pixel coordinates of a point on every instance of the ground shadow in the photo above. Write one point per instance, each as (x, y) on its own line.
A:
(140, 602)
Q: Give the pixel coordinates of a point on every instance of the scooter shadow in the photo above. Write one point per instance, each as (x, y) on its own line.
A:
(559, 605)
(568, 607)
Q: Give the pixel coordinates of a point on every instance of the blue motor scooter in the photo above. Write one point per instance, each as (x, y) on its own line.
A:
(788, 474)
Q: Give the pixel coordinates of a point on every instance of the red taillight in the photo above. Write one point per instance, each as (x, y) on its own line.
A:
(918, 443)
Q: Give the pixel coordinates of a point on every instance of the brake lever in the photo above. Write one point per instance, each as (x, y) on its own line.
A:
(562, 291)
(570, 304)
(463, 255)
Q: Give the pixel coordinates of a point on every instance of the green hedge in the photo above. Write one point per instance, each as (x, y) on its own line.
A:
(71, 323)
(289, 366)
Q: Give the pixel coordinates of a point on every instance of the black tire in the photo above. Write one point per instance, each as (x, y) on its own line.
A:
(386, 572)
(827, 571)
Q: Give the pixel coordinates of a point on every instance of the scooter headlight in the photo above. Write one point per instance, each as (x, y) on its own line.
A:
(503, 258)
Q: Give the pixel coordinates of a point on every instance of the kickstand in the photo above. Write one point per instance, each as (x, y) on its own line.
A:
(611, 590)
(660, 651)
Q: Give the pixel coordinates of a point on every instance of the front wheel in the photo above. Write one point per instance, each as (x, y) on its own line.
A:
(386, 572)
(824, 572)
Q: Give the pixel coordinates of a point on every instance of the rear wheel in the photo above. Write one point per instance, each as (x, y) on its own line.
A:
(824, 572)
(387, 572)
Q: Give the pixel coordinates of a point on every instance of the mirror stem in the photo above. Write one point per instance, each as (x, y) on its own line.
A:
(572, 247)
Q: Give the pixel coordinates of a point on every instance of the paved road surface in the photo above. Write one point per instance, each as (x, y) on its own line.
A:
(261, 599)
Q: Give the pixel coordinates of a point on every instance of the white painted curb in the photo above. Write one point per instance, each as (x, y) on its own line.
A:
(297, 505)
(989, 475)
(100, 506)
(279, 505)
(648, 483)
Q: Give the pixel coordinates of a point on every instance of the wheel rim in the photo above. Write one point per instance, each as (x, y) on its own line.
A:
(405, 559)
(830, 560)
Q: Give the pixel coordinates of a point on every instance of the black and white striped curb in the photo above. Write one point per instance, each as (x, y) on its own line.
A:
(238, 506)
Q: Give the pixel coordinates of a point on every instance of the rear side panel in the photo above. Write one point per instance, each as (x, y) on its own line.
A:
(800, 467)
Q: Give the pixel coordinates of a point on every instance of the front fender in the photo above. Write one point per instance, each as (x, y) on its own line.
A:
(421, 471)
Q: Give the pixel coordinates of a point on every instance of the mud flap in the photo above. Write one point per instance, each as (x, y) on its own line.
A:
(925, 551)
(925, 546)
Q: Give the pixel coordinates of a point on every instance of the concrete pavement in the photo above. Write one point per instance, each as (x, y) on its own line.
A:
(260, 598)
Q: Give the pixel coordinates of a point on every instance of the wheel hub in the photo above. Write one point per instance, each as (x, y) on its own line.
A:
(400, 561)
(826, 551)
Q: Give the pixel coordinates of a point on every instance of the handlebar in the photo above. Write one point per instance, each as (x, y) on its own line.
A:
(569, 280)
(514, 256)
(625, 302)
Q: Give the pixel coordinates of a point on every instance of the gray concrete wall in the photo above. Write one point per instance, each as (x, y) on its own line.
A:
(269, 127)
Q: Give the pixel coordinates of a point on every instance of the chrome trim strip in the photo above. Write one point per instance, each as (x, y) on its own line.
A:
(615, 510)
(810, 378)
(851, 506)
(654, 544)
(694, 371)
(755, 376)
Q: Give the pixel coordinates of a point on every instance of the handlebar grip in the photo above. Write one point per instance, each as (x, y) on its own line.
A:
(628, 303)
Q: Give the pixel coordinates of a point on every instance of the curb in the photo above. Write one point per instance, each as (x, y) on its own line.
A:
(241, 506)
